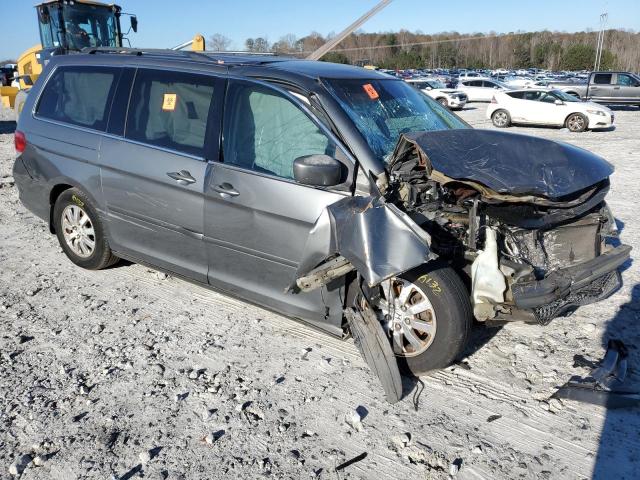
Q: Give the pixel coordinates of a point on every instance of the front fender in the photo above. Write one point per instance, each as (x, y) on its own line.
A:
(376, 237)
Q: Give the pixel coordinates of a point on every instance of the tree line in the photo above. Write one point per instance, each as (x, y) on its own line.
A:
(404, 49)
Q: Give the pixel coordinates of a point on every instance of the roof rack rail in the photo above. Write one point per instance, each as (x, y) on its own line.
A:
(210, 56)
(146, 51)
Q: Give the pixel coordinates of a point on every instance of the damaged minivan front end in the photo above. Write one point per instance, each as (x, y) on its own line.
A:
(525, 218)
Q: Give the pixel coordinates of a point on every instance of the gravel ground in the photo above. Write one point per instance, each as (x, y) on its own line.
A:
(126, 373)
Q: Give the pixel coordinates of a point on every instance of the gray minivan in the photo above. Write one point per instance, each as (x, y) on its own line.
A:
(322, 191)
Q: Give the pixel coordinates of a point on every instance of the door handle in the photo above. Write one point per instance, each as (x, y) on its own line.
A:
(616, 88)
(183, 177)
(226, 189)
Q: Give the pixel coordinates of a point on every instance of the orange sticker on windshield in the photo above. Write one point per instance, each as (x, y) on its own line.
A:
(373, 95)
(169, 102)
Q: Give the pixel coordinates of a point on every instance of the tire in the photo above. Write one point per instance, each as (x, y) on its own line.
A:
(576, 122)
(501, 118)
(373, 344)
(451, 315)
(81, 232)
(443, 102)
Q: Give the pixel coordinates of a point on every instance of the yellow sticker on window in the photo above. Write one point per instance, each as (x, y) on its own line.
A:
(169, 102)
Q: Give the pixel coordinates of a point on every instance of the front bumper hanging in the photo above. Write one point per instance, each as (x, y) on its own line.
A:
(567, 288)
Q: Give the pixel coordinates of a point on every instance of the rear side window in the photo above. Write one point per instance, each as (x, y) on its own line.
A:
(171, 110)
(79, 96)
(602, 78)
(519, 95)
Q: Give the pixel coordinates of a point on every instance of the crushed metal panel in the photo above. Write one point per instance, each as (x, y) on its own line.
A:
(605, 385)
(376, 237)
(507, 163)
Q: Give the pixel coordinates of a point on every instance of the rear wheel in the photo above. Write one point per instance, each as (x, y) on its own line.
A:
(80, 231)
(577, 122)
(427, 315)
(501, 118)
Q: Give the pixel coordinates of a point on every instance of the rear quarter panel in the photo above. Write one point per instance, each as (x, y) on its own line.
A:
(57, 154)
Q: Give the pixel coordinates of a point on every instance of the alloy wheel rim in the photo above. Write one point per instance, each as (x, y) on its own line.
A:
(576, 123)
(408, 316)
(78, 231)
(501, 118)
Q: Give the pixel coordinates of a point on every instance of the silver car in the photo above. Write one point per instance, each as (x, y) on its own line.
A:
(330, 193)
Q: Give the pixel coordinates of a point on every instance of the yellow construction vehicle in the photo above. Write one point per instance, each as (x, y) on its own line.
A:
(68, 26)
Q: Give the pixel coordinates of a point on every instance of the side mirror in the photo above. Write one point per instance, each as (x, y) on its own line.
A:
(428, 88)
(317, 170)
(134, 24)
(559, 102)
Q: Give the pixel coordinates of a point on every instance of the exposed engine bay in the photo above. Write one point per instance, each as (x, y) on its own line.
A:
(529, 257)
(523, 218)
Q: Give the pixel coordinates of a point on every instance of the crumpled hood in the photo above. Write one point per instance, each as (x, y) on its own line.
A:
(508, 163)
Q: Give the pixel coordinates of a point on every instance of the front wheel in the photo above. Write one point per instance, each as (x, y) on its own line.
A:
(577, 122)
(501, 118)
(427, 315)
(443, 102)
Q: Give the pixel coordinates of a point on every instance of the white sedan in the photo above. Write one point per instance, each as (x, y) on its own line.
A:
(541, 106)
(481, 89)
(447, 97)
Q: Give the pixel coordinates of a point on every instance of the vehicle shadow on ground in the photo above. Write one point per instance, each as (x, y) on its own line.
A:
(7, 126)
(413, 386)
(624, 108)
(616, 457)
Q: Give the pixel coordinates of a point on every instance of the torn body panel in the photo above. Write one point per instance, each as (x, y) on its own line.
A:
(375, 237)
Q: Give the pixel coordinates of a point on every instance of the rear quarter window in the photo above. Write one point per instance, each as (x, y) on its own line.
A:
(602, 78)
(79, 96)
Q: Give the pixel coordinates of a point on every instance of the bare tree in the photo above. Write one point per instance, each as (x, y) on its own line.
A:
(257, 45)
(219, 42)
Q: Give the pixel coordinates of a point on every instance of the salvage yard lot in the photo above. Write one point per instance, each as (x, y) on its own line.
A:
(125, 372)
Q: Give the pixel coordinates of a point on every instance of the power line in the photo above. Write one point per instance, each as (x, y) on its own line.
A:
(413, 44)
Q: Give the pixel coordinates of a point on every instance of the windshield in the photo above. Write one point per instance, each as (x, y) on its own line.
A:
(382, 110)
(565, 97)
(90, 26)
(437, 84)
(78, 26)
(501, 84)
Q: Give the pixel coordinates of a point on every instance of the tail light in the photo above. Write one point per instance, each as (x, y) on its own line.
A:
(20, 141)
(493, 100)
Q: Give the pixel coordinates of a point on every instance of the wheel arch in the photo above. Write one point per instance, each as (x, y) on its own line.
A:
(59, 187)
(566, 118)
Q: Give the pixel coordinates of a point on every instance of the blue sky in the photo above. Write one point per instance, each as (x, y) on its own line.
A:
(165, 23)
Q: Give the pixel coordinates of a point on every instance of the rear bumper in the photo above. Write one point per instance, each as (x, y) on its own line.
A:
(31, 192)
(567, 288)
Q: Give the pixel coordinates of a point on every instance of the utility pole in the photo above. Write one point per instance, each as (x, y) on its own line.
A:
(600, 41)
(320, 52)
